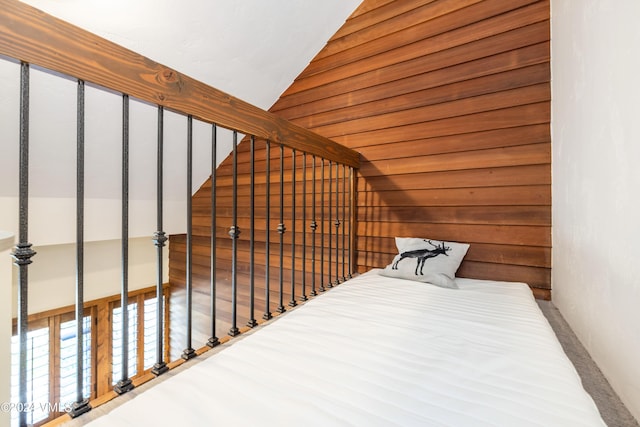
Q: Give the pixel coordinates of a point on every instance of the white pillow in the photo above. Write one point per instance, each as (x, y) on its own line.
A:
(427, 260)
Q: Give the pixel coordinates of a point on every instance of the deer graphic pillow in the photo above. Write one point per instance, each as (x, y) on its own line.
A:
(427, 260)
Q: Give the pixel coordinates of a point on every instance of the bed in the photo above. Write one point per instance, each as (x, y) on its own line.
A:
(381, 351)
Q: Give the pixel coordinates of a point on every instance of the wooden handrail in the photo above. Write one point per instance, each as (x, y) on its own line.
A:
(32, 36)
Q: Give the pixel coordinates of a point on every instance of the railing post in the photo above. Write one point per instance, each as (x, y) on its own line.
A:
(124, 384)
(303, 297)
(234, 233)
(351, 218)
(344, 219)
(314, 226)
(23, 253)
(330, 263)
(189, 352)
(81, 405)
(281, 230)
(337, 224)
(213, 340)
(159, 240)
(252, 320)
(292, 302)
(321, 287)
(267, 309)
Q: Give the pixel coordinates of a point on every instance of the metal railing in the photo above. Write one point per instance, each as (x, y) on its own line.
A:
(30, 37)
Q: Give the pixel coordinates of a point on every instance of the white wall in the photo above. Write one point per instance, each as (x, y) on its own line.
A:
(52, 275)
(596, 182)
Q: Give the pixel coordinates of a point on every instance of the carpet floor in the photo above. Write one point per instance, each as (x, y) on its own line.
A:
(613, 411)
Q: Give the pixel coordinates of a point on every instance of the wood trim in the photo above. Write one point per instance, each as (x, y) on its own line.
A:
(54, 361)
(103, 349)
(31, 35)
(140, 334)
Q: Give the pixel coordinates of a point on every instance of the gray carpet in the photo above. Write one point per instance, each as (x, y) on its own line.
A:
(614, 413)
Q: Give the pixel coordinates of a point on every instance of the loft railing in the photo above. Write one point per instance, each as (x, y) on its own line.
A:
(34, 38)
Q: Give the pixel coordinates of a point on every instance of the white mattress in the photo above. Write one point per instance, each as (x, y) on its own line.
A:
(378, 351)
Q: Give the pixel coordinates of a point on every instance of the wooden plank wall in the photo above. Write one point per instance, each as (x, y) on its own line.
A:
(449, 104)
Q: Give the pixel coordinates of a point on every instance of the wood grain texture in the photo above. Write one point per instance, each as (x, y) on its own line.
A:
(379, 30)
(449, 104)
(422, 44)
(30, 35)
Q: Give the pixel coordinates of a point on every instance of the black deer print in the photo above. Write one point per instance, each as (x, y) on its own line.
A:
(422, 255)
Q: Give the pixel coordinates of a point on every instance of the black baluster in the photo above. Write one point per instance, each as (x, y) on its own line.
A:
(252, 320)
(337, 224)
(125, 384)
(81, 405)
(351, 213)
(267, 311)
(281, 230)
(313, 226)
(213, 340)
(321, 287)
(293, 302)
(189, 352)
(23, 253)
(329, 211)
(159, 240)
(344, 219)
(234, 233)
(303, 297)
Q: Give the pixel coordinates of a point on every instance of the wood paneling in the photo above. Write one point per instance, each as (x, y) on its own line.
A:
(448, 103)
(488, 36)
(377, 33)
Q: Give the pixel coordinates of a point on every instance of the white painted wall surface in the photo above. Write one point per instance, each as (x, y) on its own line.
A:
(596, 182)
(52, 274)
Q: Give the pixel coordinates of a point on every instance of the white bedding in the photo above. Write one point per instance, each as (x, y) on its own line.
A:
(378, 351)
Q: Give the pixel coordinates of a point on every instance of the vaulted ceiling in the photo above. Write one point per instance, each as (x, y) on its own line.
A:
(252, 49)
